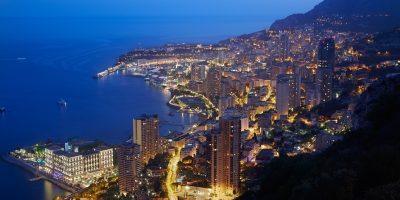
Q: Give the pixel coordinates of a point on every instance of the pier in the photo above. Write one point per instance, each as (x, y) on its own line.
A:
(36, 178)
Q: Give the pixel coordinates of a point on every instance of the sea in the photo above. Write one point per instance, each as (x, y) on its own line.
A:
(45, 60)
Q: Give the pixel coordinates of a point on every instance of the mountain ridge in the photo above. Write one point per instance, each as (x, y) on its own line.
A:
(357, 15)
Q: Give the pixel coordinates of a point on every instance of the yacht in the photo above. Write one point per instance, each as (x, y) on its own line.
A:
(62, 102)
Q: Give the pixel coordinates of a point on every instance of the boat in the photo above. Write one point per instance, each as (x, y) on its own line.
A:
(138, 74)
(2, 109)
(62, 102)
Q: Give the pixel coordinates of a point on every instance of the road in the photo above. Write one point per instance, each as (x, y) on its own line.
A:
(198, 193)
(171, 174)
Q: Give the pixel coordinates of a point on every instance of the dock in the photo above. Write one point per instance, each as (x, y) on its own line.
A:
(36, 178)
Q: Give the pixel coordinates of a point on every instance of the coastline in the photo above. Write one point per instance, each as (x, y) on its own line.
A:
(65, 95)
(29, 168)
(40, 176)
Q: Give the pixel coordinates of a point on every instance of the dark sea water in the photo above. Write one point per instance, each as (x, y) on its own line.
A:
(62, 55)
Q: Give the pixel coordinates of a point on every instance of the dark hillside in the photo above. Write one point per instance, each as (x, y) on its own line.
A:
(364, 165)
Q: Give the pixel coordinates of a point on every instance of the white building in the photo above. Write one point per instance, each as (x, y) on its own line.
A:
(75, 166)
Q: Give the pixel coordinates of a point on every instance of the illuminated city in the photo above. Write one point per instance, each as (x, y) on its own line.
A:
(304, 109)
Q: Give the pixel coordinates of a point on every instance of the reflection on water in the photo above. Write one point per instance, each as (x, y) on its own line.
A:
(50, 191)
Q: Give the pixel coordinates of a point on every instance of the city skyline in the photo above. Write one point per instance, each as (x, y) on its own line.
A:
(295, 110)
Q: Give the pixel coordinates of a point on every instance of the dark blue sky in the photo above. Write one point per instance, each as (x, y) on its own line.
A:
(51, 8)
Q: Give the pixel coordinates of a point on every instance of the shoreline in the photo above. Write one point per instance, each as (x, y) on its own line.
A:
(29, 168)
(40, 176)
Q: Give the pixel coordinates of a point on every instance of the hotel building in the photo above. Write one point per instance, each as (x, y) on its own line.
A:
(77, 162)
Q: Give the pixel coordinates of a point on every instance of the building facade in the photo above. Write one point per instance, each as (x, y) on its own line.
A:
(146, 133)
(129, 167)
(213, 84)
(325, 70)
(75, 166)
(287, 93)
(284, 44)
(225, 156)
(198, 73)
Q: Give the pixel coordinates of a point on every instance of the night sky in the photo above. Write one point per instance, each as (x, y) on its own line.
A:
(97, 8)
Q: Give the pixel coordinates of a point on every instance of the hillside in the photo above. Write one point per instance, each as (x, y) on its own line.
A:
(354, 15)
(380, 47)
(364, 165)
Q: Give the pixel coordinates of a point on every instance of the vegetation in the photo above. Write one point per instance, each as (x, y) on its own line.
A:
(191, 174)
(159, 161)
(155, 186)
(104, 190)
(330, 107)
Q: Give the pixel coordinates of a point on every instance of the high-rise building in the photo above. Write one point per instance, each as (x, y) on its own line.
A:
(129, 167)
(310, 95)
(287, 93)
(196, 86)
(284, 45)
(213, 84)
(225, 158)
(324, 85)
(198, 73)
(224, 103)
(146, 133)
(282, 95)
(294, 91)
(326, 63)
(326, 53)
